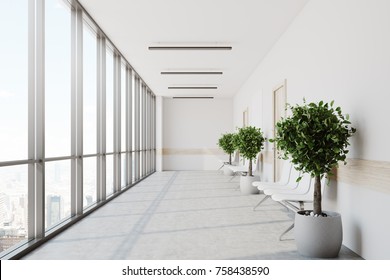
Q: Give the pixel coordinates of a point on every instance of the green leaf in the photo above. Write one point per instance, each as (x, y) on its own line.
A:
(227, 142)
(250, 141)
(314, 136)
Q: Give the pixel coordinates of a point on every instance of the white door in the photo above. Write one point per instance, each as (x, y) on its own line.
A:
(279, 100)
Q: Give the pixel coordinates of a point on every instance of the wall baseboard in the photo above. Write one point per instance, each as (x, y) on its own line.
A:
(199, 151)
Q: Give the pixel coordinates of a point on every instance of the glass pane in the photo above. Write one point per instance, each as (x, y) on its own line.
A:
(141, 164)
(133, 107)
(147, 162)
(133, 167)
(13, 80)
(109, 175)
(58, 78)
(109, 101)
(13, 205)
(141, 114)
(146, 121)
(89, 181)
(57, 191)
(124, 168)
(90, 90)
(123, 108)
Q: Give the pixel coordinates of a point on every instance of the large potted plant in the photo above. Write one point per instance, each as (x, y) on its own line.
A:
(226, 143)
(315, 137)
(249, 142)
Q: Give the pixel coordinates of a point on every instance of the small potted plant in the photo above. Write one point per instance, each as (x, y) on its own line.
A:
(315, 137)
(249, 142)
(226, 143)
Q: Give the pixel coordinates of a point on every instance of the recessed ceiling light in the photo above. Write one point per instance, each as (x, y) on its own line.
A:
(192, 48)
(191, 73)
(192, 87)
(193, 97)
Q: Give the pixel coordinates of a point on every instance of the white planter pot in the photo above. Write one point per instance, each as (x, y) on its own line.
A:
(318, 237)
(246, 184)
(227, 171)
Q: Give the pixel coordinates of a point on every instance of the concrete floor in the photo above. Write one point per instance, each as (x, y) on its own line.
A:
(179, 215)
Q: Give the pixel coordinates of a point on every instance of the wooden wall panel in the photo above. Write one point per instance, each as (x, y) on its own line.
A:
(367, 173)
(200, 151)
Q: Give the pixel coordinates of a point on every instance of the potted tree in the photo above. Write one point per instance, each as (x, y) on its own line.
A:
(226, 143)
(315, 137)
(249, 141)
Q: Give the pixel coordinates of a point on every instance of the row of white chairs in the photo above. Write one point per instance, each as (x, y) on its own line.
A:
(288, 192)
(235, 160)
(238, 168)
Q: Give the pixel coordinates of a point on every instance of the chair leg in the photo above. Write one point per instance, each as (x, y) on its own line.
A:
(285, 207)
(261, 201)
(234, 176)
(221, 167)
(285, 232)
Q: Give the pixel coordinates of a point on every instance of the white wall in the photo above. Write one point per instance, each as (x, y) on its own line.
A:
(337, 50)
(191, 129)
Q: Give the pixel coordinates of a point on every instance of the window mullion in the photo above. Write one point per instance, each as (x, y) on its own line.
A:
(101, 126)
(137, 163)
(154, 133)
(77, 112)
(144, 130)
(31, 118)
(117, 123)
(73, 188)
(149, 132)
(40, 121)
(79, 115)
(129, 118)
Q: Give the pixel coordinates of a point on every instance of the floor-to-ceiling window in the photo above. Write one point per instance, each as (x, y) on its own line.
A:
(89, 113)
(124, 125)
(133, 127)
(109, 120)
(57, 63)
(141, 127)
(13, 123)
(72, 110)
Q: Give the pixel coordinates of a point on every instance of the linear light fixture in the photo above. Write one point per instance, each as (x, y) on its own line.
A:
(191, 73)
(181, 87)
(193, 97)
(191, 48)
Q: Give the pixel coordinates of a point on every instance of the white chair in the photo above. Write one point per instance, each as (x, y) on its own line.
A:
(286, 177)
(301, 197)
(288, 198)
(292, 188)
(238, 169)
(236, 158)
(235, 161)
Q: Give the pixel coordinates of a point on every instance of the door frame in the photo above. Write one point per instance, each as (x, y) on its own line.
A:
(245, 117)
(274, 121)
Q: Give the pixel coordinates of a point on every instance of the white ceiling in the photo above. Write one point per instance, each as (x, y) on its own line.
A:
(251, 27)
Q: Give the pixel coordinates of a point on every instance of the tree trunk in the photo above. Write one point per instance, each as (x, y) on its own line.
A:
(250, 168)
(230, 159)
(317, 208)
